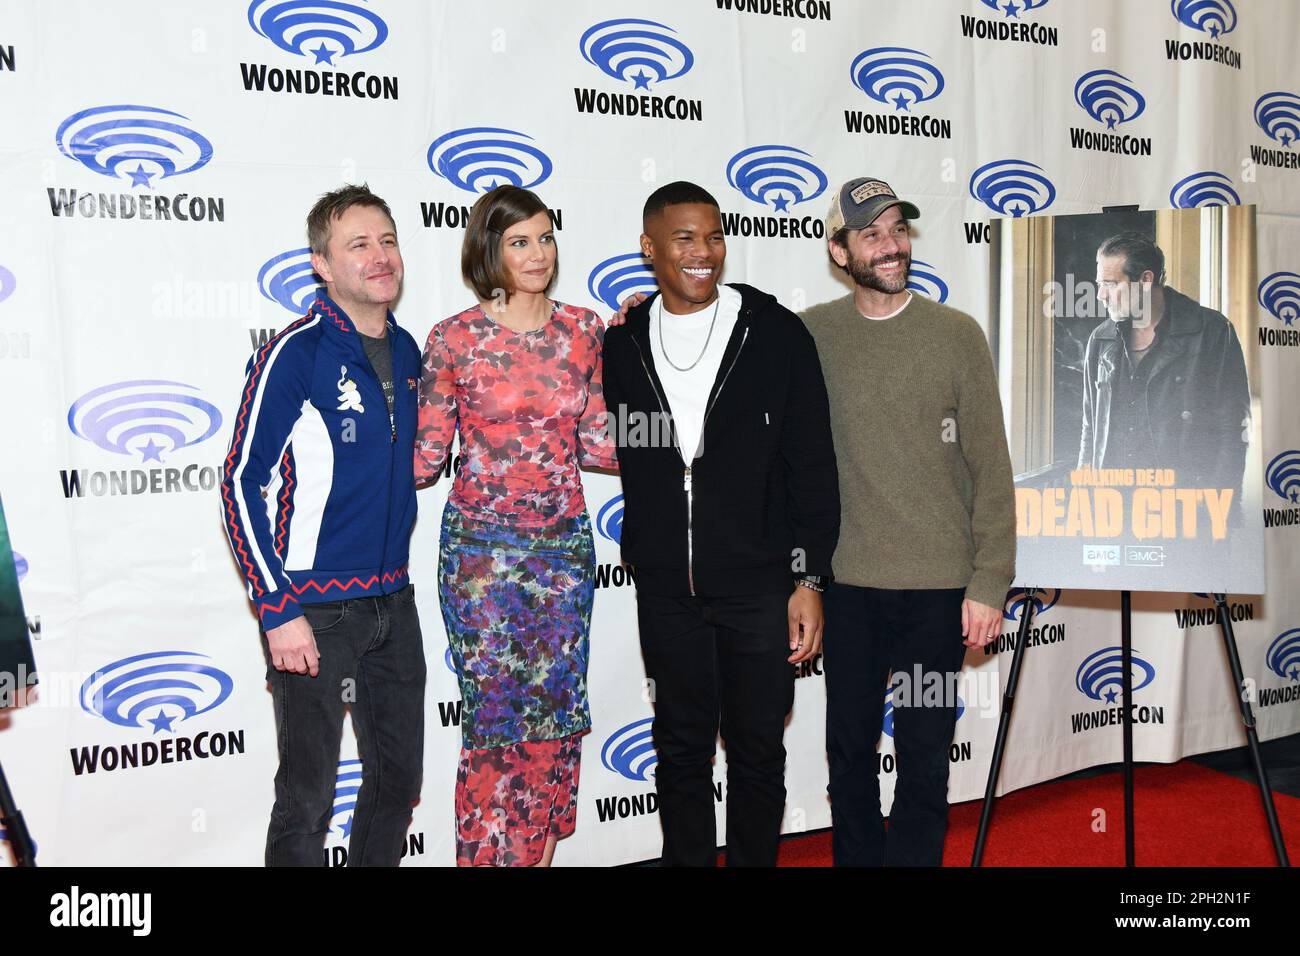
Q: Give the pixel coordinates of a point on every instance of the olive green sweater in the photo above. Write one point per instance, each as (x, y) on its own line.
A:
(926, 494)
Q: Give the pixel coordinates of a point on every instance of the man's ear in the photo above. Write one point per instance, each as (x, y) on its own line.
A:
(320, 267)
(838, 253)
(647, 246)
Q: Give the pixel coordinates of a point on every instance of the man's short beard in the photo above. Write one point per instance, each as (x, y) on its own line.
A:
(865, 274)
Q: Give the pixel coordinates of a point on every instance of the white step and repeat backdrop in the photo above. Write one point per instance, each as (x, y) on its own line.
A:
(156, 165)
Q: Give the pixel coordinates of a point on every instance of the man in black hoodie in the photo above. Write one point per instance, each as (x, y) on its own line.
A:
(731, 516)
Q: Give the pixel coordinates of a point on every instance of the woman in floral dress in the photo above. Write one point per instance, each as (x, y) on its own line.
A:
(520, 376)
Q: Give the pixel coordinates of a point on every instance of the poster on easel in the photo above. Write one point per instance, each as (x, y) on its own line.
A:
(1126, 361)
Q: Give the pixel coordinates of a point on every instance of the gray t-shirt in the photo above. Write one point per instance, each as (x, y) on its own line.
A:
(380, 354)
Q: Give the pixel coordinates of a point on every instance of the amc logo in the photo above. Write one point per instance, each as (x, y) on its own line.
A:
(1101, 554)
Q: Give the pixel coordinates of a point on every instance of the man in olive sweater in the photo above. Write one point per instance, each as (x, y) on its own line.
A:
(927, 542)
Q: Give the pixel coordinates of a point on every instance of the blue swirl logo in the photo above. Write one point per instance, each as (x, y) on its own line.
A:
(1283, 656)
(1101, 675)
(7, 283)
(1017, 598)
(336, 29)
(290, 280)
(108, 139)
(618, 277)
(155, 689)
(450, 662)
(1278, 115)
(921, 278)
(630, 751)
(132, 418)
(346, 787)
(20, 565)
(609, 522)
(1279, 294)
(1109, 97)
(480, 158)
(1012, 187)
(639, 51)
(776, 176)
(1203, 189)
(1283, 475)
(887, 723)
(897, 75)
(1010, 8)
(1214, 17)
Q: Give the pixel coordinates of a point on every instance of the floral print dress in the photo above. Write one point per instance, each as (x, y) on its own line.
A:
(516, 564)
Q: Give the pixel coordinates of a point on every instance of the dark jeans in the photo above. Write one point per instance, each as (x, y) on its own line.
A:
(719, 660)
(371, 659)
(869, 633)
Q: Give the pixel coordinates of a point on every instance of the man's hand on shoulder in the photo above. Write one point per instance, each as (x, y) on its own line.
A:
(631, 302)
(979, 623)
(293, 647)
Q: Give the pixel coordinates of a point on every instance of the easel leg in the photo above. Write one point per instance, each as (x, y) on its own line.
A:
(1248, 718)
(1126, 722)
(1004, 724)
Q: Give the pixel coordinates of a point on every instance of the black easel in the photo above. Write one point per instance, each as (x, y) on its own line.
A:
(15, 827)
(1126, 659)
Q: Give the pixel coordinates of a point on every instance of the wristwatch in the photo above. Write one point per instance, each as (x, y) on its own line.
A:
(814, 582)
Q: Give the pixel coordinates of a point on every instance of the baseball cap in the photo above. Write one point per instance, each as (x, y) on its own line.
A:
(860, 201)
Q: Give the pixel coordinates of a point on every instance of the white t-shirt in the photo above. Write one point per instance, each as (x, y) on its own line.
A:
(881, 318)
(684, 337)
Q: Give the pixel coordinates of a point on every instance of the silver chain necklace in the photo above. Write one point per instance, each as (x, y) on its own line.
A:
(707, 339)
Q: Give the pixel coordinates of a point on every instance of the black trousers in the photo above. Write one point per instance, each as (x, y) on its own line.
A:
(371, 658)
(719, 663)
(870, 633)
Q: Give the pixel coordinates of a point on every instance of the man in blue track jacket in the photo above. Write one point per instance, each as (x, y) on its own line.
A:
(318, 498)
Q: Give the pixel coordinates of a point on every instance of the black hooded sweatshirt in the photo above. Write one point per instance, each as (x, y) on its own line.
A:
(761, 504)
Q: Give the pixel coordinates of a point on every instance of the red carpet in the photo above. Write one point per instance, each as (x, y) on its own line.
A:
(1186, 815)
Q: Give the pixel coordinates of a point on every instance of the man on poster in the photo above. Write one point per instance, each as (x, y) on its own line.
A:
(1164, 378)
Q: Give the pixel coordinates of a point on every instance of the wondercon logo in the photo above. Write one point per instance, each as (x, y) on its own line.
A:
(897, 75)
(20, 565)
(451, 664)
(776, 176)
(336, 29)
(1283, 475)
(109, 139)
(1209, 16)
(1283, 656)
(630, 751)
(146, 417)
(480, 158)
(1279, 294)
(7, 283)
(155, 689)
(609, 522)
(1012, 9)
(618, 277)
(1012, 187)
(921, 279)
(1108, 97)
(639, 51)
(290, 280)
(1278, 115)
(346, 787)
(1043, 600)
(1101, 675)
(887, 724)
(1203, 189)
